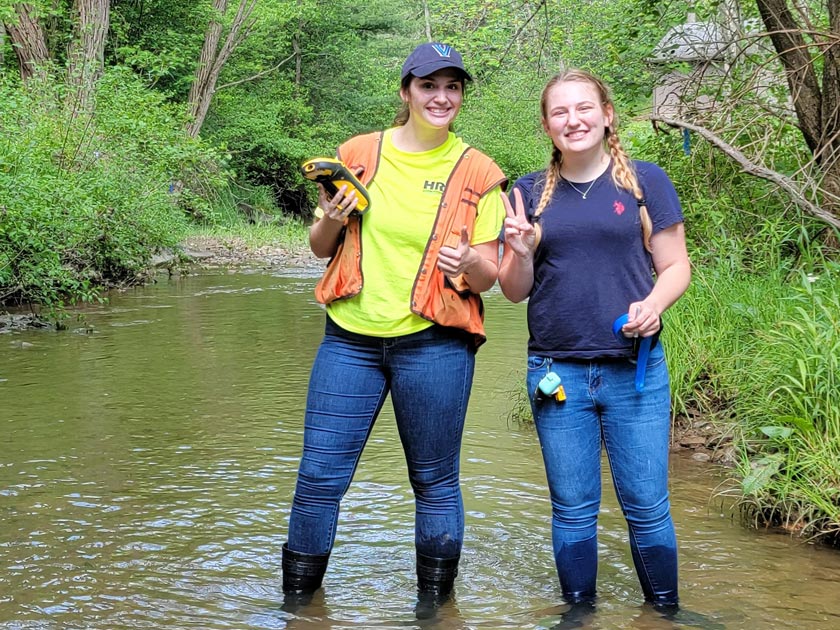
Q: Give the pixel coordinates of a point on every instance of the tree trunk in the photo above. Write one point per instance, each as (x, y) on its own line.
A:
(213, 58)
(28, 41)
(207, 56)
(298, 60)
(86, 58)
(830, 137)
(296, 51)
(815, 102)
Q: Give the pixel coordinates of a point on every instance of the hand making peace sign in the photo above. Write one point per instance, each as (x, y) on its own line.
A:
(520, 235)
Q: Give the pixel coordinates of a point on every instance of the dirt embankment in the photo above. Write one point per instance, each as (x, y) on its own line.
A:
(234, 251)
(704, 438)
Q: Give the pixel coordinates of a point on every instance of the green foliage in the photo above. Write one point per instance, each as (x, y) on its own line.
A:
(160, 40)
(760, 355)
(86, 197)
(288, 233)
(353, 75)
(534, 41)
(503, 120)
(236, 207)
(338, 86)
(267, 133)
(708, 329)
(520, 411)
(7, 11)
(608, 38)
(789, 402)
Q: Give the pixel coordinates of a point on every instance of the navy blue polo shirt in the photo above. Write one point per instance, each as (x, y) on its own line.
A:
(591, 262)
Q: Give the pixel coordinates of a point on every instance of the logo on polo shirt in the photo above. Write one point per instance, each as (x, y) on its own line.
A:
(429, 186)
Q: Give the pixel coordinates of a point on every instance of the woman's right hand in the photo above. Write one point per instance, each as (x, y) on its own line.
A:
(340, 206)
(520, 234)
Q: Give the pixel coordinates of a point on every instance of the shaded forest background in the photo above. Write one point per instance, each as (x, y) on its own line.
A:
(127, 125)
(207, 107)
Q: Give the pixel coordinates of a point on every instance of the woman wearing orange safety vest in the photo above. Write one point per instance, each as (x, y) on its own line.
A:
(404, 317)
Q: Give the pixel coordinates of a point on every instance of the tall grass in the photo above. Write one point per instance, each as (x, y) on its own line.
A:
(288, 233)
(760, 357)
(250, 214)
(789, 411)
(709, 330)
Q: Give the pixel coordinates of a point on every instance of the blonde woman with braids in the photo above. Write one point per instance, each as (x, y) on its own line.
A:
(594, 237)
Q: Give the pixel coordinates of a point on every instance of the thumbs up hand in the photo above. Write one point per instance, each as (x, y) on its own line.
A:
(453, 261)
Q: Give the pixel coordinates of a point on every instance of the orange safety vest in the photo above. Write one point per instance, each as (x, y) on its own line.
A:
(434, 297)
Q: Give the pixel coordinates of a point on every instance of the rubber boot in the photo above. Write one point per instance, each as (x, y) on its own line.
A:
(302, 576)
(578, 616)
(436, 575)
(435, 579)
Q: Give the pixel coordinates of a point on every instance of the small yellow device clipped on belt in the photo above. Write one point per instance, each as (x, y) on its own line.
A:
(550, 386)
(332, 174)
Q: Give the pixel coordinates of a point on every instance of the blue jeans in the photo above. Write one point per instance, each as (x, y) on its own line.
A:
(429, 375)
(602, 405)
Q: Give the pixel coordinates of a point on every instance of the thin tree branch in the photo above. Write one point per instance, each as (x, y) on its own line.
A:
(516, 35)
(258, 75)
(785, 183)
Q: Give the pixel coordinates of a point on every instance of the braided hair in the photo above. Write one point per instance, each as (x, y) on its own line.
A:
(623, 174)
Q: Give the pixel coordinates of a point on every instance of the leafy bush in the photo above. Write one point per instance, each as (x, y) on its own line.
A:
(86, 198)
(505, 126)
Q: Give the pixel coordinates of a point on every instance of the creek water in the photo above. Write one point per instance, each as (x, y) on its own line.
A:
(148, 458)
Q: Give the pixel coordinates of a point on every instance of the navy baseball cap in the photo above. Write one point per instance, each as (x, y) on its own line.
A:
(429, 58)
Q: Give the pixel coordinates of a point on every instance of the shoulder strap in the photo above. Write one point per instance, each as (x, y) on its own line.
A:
(485, 173)
(362, 152)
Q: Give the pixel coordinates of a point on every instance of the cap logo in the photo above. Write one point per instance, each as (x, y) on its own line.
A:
(443, 50)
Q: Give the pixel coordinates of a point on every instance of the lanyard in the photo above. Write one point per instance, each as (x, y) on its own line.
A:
(643, 354)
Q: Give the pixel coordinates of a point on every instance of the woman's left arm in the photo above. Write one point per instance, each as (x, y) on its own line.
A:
(673, 274)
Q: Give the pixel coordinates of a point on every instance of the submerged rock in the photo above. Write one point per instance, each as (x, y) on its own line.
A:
(10, 322)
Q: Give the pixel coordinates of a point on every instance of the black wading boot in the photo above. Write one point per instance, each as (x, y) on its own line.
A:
(682, 618)
(579, 614)
(302, 576)
(435, 578)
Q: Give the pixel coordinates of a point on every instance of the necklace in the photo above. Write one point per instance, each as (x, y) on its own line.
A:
(583, 193)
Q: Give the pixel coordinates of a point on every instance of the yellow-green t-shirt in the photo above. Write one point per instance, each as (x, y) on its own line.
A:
(405, 194)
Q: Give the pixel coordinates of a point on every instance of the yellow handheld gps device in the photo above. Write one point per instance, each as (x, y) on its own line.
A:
(333, 174)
